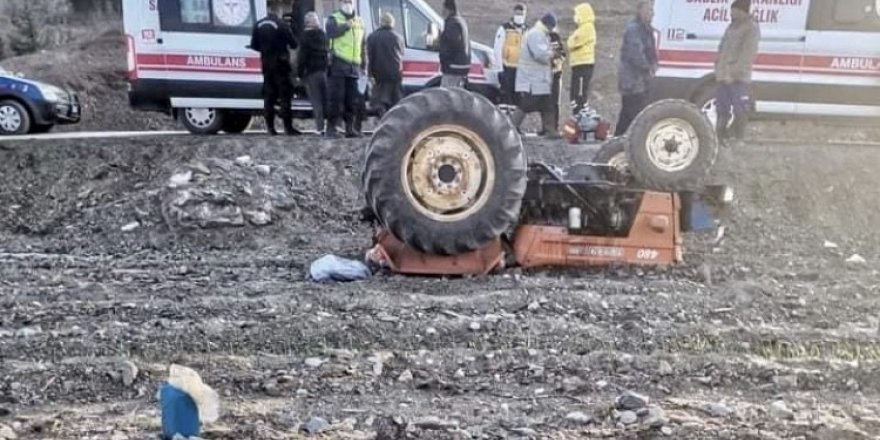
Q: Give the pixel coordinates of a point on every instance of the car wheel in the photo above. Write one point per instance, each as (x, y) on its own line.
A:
(236, 123)
(205, 121)
(445, 172)
(14, 118)
(671, 147)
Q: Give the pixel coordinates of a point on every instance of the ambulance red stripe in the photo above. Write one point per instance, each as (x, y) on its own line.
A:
(778, 62)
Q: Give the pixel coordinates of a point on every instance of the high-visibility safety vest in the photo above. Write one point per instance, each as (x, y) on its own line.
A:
(349, 46)
(512, 44)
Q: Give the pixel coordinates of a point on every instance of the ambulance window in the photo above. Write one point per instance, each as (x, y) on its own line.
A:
(417, 28)
(390, 6)
(845, 16)
(207, 16)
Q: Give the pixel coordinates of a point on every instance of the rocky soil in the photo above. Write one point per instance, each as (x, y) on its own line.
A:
(119, 257)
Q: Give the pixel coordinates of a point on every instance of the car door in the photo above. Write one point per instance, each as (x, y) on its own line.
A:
(842, 62)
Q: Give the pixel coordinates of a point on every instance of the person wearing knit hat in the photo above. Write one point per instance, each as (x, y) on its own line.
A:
(454, 47)
(637, 66)
(534, 78)
(733, 72)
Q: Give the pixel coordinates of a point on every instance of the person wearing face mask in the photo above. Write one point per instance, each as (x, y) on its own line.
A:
(508, 42)
(345, 29)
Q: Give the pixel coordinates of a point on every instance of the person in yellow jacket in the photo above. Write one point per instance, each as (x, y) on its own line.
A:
(582, 55)
(508, 42)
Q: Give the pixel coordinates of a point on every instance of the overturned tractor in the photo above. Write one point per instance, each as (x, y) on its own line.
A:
(448, 181)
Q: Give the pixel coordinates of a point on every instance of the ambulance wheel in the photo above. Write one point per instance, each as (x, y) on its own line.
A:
(236, 123)
(14, 118)
(445, 172)
(671, 146)
(202, 120)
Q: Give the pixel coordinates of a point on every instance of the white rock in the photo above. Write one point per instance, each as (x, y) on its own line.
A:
(475, 326)
(665, 369)
(180, 179)
(258, 218)
(579, 418)
(627, 417)
(244, 161)
(856, 259)
(130, 227)
(264, 170)
(719, 410)
(780, 410)
(129, 372)
(28, 332)
(405, 377)
(830, 245)
(430, 331)
(459, 374)
(6, 433)
(313, 362)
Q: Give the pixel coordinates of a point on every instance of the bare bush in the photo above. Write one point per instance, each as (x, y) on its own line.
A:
(35, 24)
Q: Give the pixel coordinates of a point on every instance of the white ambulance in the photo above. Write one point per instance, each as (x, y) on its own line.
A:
(190, 58)
(817, 58)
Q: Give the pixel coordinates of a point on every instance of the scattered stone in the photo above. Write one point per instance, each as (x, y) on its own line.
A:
(475, 326)
(459, 374)
(780, 410)
(601, 384)
(534, 306)
(856, 259)
(632, 401)
(627, 417)
(6, 433)
(405, 377)
(434, 423)
(264, 170)
(830, 245)
(130, 227)
(655, 417)
(180, 179)
(665, 369)
(128, 372)
(719, 410)
(579, 418)
(28, 332)
(258, 218)
(316, 426)
(525, 432)
(271, 388)
(666, 430)
(244, 161)
(787, 382)
(573, 384)
(313, 362)
(200, 168)
(430, 331)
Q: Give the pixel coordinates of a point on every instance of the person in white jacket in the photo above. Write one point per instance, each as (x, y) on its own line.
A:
(508, 43)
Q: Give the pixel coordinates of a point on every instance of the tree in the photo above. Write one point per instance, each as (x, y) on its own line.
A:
(30, 20)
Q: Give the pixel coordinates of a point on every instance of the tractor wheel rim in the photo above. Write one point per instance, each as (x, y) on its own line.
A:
(673, 145)
(619, 161)
(201, 117)
(448, 173)
(10, 118)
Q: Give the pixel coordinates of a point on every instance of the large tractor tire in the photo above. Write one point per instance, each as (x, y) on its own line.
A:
(672, 147)
(445, 172)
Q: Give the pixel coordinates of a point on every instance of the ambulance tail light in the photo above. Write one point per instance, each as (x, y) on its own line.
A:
(131, 59)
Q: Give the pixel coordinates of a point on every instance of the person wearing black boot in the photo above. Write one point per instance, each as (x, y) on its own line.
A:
(638, 65)
(345, 29)
(313, 68)
(273, 39)
(733, 71)
(385, 54)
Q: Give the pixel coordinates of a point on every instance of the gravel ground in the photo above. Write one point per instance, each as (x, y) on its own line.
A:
(768, 333)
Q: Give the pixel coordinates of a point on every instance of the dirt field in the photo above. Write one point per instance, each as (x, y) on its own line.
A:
(768, 333)
(771, 313)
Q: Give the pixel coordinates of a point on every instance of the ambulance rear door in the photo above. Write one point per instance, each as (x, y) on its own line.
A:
(842, 63)
(207, 59)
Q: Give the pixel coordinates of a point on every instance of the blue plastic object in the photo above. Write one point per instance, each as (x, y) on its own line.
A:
(333, 268)
(701, 218)
(180, 415)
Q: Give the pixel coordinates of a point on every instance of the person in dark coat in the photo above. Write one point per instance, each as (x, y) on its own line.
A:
(385, 55)
(638, 65)
(454, 47)
(313, 64)
(345, 29)
(558, 47)
(733, 71)
(273, 39)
